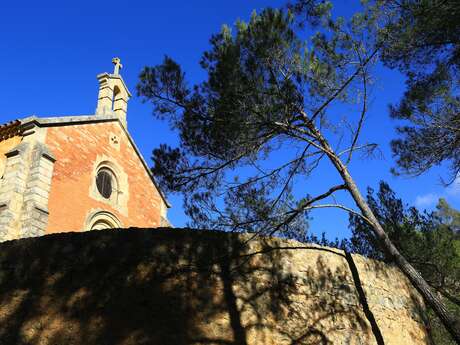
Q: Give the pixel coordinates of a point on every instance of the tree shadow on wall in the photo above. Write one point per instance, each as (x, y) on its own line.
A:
(175, 287)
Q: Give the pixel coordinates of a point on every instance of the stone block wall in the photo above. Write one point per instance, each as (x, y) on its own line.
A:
(35, 205)
(24, 190)
(179, 287)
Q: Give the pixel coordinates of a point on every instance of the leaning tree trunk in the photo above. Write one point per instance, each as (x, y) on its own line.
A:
(411, 273)
(414, 276)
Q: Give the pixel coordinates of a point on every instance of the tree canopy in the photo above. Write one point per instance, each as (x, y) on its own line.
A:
(422, 40)
(262, 80)
(271, 89)
(429, 240)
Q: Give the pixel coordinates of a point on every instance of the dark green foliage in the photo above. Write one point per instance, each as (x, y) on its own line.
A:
(399, 221)
(422, 39)
(268, 89)
(310, 11)
(229, 115)
(261, 78)
(429, 241)
(228, 119)
(448, 215)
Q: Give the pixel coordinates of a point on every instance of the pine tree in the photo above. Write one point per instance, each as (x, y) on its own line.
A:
(422, 40)
(428, 240)
(269, 90)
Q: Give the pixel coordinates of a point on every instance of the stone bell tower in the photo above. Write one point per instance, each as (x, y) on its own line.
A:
(113, 93)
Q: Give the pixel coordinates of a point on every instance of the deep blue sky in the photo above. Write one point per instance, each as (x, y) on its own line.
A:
(51, 52)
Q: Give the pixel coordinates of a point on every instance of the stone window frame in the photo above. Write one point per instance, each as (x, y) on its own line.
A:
(114, 186)
(119, 198)
(101, 216)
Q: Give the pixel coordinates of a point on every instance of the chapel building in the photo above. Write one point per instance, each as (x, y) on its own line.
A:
(77, 173)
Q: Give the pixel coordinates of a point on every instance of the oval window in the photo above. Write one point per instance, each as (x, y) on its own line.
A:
(104, 183)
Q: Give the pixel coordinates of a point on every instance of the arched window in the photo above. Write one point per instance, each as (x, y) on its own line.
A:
(107, 183)
(102, 220)
(101, 225)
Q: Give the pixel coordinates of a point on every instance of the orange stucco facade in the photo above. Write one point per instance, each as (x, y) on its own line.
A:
(77, 149)
(77, 173)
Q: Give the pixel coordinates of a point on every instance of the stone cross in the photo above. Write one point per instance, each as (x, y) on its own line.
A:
(118, 65)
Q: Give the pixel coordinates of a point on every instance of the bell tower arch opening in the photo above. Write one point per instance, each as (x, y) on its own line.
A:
(113, 94)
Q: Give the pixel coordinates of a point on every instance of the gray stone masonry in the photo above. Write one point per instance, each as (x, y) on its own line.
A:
(24, 191)
(12, 190)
